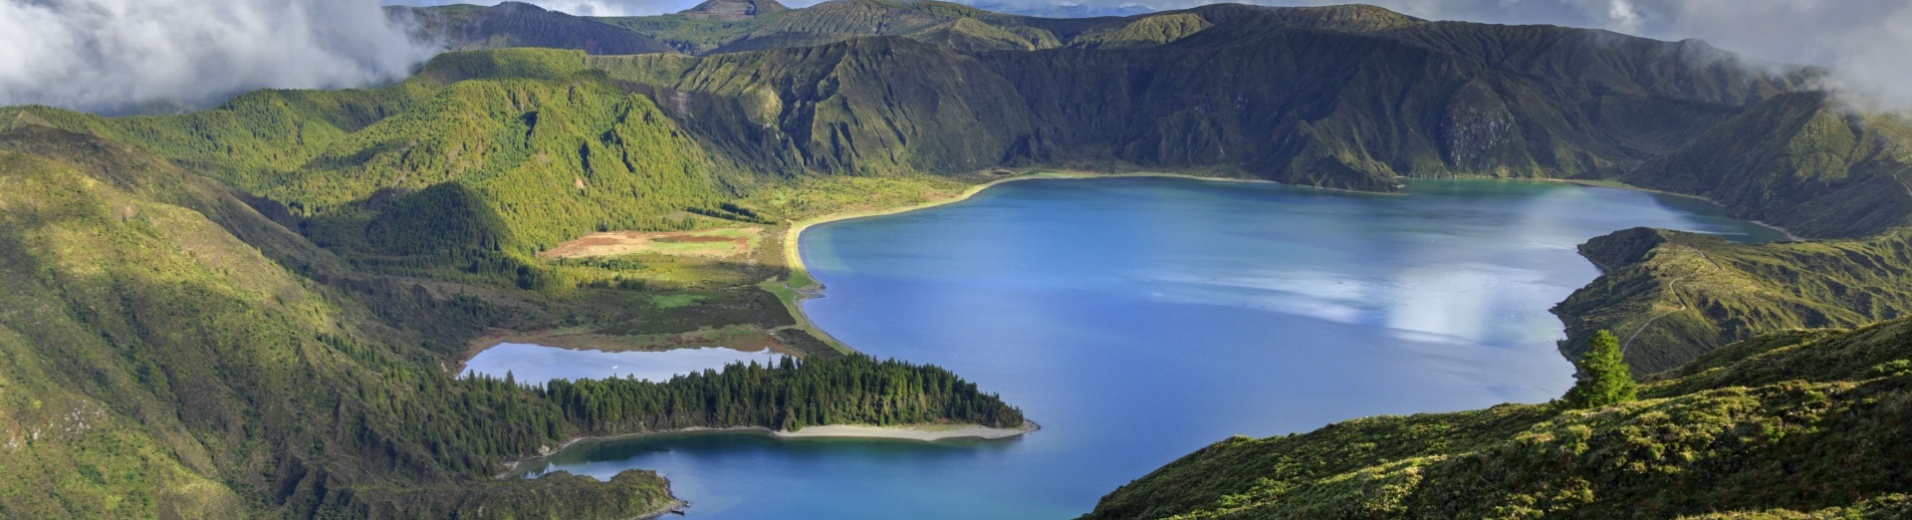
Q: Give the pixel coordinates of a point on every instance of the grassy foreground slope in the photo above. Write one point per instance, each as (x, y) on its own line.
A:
(1791, 425)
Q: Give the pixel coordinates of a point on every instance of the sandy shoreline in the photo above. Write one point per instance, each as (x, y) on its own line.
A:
(810, 288)
(929, 433)
(793, 259)
(921, 432)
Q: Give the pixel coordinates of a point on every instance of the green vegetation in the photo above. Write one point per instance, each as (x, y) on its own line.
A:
(1146, 31)
(673, 301)
(167, 353)
(1672, 296)
(844, 390)
(169, 350)
(1792, 425)
(1798, 161)
(1605, 379)
(832, 195)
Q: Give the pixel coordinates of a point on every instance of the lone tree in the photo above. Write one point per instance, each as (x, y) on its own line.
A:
(1604, 376)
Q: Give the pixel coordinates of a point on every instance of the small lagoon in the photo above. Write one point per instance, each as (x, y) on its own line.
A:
(1139, 319)
(535, 364)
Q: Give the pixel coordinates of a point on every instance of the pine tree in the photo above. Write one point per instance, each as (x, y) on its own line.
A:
(1605, 378)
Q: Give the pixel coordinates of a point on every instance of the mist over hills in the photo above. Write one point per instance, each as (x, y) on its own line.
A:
(249, 309)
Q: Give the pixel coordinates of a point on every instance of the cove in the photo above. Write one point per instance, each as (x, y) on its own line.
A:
(1139, 319)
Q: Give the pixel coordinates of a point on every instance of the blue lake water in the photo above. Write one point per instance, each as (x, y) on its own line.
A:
(1138, 319)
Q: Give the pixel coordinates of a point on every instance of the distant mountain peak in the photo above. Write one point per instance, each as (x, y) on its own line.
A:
(732, 10)
(519, 24)
(1351, 18)
(516, 7)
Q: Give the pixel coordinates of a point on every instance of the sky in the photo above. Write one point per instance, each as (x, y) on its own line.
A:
(122, 55)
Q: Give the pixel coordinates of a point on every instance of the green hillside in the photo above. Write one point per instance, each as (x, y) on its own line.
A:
(1673, 296)
(158, 364)
(1798, 161)
(169, 351)
(1793, 425)
(965, 27)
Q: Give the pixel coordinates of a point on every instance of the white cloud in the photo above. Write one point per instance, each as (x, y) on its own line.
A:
(115, 55)
(1621, 14)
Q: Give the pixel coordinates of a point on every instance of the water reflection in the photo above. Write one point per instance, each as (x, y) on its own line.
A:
(534, 364)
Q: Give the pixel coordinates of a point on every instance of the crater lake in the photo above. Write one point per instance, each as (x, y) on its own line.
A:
(1138, 319)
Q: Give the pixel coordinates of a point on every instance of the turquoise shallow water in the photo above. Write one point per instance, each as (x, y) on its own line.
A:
(1138, 319)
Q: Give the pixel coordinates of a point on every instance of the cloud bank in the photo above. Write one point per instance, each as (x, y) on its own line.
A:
(119, 56)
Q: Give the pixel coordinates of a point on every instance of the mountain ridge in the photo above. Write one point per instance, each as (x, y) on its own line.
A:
(519, 24)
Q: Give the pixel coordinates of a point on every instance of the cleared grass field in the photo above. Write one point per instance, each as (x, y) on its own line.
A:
(709, 243)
